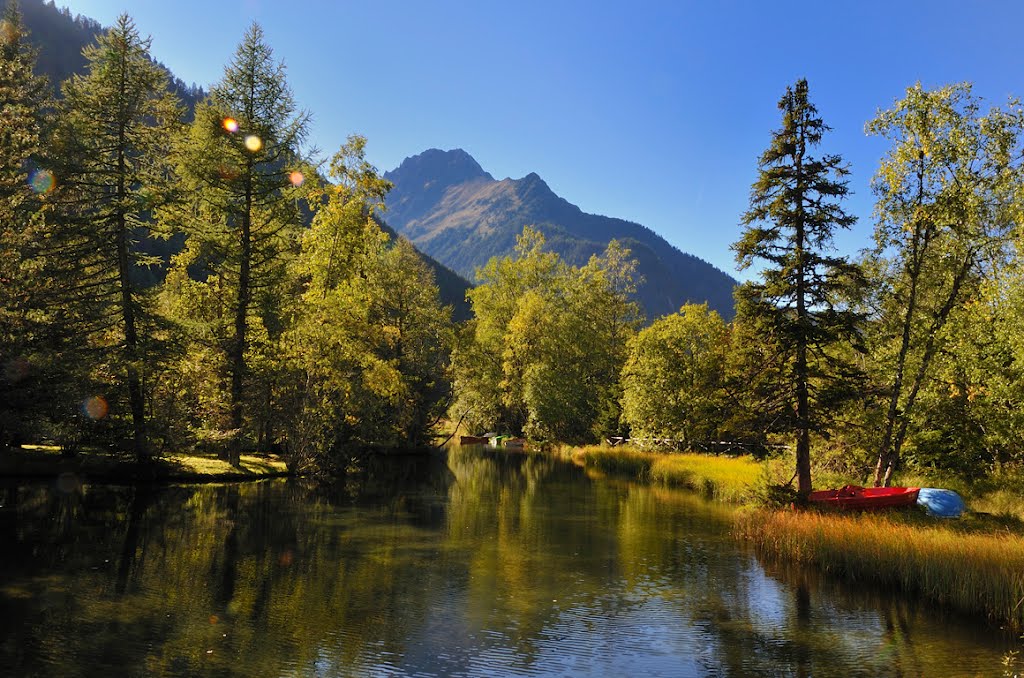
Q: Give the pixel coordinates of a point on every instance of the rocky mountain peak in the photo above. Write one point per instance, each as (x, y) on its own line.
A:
(438, 168)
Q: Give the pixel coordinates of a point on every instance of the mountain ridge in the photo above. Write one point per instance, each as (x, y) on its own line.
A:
(456, 212)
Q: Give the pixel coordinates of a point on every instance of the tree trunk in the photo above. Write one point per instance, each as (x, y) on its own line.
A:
(919, 246)
(237, 357)
(131, 342)
(131, 339)
(803, 399)
(930, 348)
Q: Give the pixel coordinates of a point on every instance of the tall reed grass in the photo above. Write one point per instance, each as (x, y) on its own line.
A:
(975, 573)
(730, 479)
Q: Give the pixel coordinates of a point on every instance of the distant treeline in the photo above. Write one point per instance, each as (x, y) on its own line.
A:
(911, 355)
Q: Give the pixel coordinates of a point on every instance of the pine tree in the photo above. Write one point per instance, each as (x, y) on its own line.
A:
(116, 124)
(794, 211)
(239, 167)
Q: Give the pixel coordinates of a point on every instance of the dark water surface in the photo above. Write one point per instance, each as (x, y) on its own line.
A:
(486, 564)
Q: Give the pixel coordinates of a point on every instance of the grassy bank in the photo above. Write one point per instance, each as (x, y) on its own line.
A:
(730, 479)
(980, 573)
(975, 565)
(100, 465)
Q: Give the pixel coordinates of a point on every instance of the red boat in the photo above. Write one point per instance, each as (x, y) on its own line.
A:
(855, 497)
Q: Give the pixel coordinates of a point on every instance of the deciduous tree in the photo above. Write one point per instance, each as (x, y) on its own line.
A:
(367, 351)
(548, 343)
(947, 198)
(674, 376)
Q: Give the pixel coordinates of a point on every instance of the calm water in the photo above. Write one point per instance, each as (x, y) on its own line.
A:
(487, 564)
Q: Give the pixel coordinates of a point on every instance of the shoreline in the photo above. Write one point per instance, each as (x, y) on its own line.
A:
(973, 565)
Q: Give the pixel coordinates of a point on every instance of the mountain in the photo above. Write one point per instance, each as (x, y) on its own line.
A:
(456, 212)
(60, 37)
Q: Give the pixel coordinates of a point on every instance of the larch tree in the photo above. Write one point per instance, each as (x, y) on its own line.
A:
(948, 201)
(241, 168)
(24, 183)
(794, 212)
(114, 133)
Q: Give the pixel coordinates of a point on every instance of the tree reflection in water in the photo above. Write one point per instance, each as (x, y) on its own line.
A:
(482, 563)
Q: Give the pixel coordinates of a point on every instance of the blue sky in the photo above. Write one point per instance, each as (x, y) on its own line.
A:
(654, 112)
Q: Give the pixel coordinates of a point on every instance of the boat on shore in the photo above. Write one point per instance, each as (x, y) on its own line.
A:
(474, 440)
(854, 497)
(941, 503)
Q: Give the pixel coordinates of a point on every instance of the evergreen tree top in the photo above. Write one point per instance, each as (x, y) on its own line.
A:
(794, 188)
(255, 89)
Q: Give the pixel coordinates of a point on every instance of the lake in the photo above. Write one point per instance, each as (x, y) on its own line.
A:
(474, 563)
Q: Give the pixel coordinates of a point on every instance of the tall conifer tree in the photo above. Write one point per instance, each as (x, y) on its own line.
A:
(794, 211)
(116, 124)
(240, 209)
(24, 182)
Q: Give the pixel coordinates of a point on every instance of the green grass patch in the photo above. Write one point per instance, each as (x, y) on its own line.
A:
(954, 564)
(730, 479)
(211, 465)
(615, 460)
(997, 492)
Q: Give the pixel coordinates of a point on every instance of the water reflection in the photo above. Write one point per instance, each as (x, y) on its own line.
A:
(486, 563)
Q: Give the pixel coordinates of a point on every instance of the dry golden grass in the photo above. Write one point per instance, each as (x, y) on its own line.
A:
(731, 479)
(974, 572)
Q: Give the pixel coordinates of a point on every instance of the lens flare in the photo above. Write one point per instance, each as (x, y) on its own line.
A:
(253, 143)
(95, 407)
(41, 181)
(230, 124)
(227, 173)
(296, 178)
